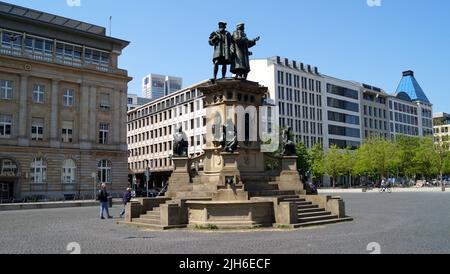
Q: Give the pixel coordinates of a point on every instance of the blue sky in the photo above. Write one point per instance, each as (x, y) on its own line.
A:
(347, 39)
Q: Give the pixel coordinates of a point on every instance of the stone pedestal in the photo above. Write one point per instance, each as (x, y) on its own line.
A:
(289, 178)
(230, 174)
(180, 179)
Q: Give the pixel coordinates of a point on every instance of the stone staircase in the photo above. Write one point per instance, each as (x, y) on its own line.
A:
(151, 220)
(310, 214)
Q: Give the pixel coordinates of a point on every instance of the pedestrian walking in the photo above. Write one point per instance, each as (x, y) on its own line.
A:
(103, 198)
(126, 199)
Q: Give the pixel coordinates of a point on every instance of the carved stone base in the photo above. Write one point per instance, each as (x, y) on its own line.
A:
(180, 179)
(289, 178)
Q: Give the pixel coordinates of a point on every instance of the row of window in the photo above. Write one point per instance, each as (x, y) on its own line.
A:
(164, 131)
(38, 171)
(343, 118)
(289, 95)
(39, 91)
(154, 163)
(344, 131)
(439, 130)
(341, 91)
(164, 116)
(375, 124)
(287, 109)
(405, 129)
(341, 104)
(403, 108)
(164, 147)
(168, 103)
(376, 112)
(404, 118)
(38, 125)
(304, 127)
(306, 84)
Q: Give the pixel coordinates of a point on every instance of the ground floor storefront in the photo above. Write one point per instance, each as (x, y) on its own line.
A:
(44, 174)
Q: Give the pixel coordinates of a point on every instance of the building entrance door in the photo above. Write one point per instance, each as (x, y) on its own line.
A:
(6, 192)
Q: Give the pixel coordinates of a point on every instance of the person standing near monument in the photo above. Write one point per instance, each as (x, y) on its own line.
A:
(126, 199)
(103, 198)
(239, 49)
(221, 41)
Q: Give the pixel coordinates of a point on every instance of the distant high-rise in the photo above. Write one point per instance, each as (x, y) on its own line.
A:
(155, 86)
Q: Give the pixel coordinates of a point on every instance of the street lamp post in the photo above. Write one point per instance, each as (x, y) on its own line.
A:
(147, 175)
(94, 177)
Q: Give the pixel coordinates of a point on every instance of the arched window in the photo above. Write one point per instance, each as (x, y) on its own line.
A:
(68, 171)
(38, 171)
(104, 171)
(247, 127)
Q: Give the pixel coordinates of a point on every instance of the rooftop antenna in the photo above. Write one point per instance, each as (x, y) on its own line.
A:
(110, 26)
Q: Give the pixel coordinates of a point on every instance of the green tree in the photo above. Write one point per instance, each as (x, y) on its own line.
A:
(376, 156)
(426, 160)
(303, 160)
(442, 147)
(348, 162)
(317, 157)
(406, 148)
(333, 164)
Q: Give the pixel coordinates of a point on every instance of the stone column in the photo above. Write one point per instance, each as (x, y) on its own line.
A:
(84, 116)
(116, 126)
(23, 112)
(54, 125)
(93, 128)
(123, 119)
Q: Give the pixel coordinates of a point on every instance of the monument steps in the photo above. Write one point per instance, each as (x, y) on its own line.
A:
(308, 207)
(270, 193)
(311, 210)
(316, 218)
(323, 222)
(313, 214)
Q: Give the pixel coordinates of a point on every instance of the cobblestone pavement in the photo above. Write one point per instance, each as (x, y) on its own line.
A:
(399, 222)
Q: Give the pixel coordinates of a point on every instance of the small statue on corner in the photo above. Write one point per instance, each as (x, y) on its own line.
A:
(180, 143)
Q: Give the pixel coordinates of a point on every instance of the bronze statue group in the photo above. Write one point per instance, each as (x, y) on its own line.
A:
(231, 50)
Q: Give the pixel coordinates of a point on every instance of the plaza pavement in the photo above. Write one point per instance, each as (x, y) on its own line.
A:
(398, 222)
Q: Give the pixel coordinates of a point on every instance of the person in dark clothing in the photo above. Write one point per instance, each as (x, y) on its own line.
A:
(103, 198)
(126, 199)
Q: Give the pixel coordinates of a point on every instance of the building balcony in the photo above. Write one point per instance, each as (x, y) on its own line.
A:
(59, 60)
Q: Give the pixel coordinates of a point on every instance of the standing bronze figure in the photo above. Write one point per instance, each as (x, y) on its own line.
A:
(239, 49)
(221, 41)
(180, 143)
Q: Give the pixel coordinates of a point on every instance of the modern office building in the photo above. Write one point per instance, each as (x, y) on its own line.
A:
(135, 101)
(319, 108)
(374, 112)
(151, 128)
(63, 103)
(441, 123)
(155, 86)
(410, 111)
